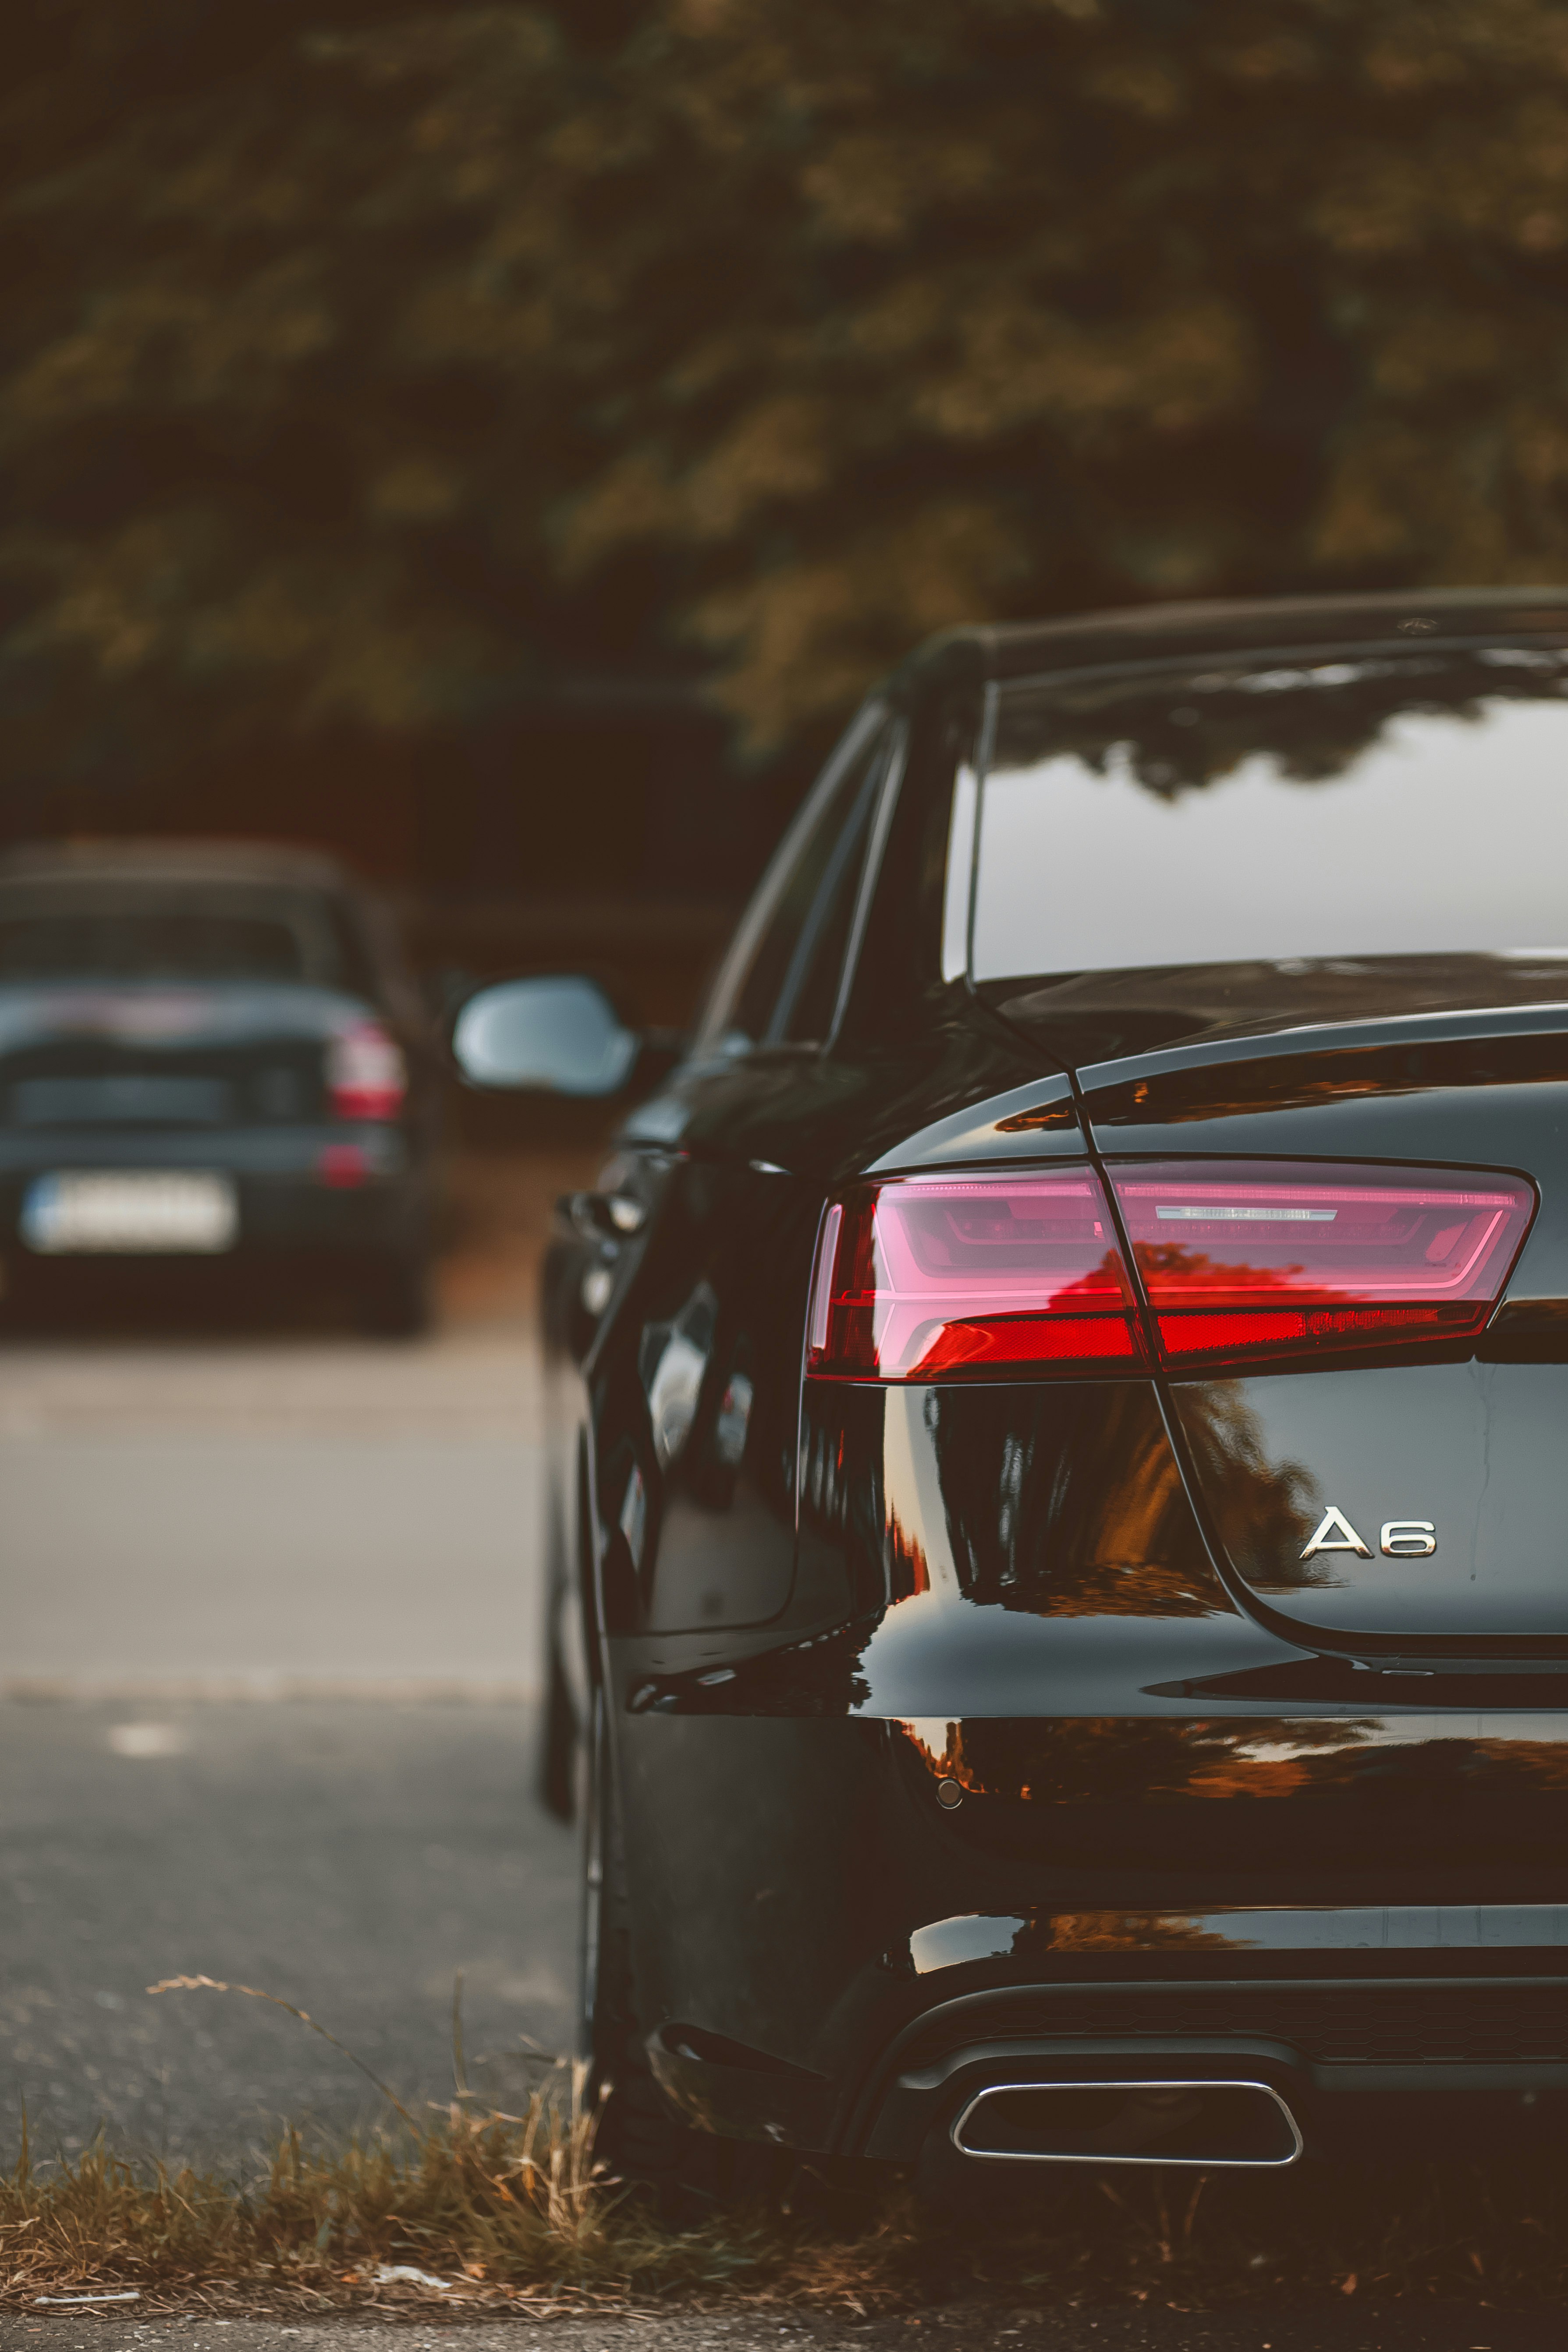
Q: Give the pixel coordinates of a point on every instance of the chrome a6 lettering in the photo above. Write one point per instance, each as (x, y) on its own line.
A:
(1398, 1538)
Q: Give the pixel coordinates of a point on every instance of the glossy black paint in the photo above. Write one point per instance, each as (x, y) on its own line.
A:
(999, 1724)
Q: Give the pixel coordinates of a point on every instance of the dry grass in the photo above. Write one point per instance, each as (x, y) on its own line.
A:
(508, 2212)
(498, 2210)
(497, 2206)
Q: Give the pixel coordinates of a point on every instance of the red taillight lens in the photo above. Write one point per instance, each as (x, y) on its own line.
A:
(1241, 1260)
(926, 1277)
(367, 1077)
(938, 1278)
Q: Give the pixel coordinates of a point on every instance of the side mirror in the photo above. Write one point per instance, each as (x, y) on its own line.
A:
(559, 1034)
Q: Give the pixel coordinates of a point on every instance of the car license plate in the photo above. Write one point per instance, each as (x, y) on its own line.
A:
(132, 1211)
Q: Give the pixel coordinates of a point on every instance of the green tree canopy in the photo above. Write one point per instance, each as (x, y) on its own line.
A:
(369, 361)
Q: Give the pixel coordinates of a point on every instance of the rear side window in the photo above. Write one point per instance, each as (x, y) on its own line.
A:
(782, 967)
(810, 996)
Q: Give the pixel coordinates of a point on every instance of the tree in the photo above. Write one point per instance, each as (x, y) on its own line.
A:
(368, 362)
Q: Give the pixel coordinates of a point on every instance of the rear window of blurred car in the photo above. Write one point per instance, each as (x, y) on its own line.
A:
(123, 932)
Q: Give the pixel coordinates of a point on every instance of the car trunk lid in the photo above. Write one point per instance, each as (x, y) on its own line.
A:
(1405, 1499)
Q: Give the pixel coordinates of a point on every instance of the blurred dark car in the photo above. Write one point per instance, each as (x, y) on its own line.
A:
(213, 1050)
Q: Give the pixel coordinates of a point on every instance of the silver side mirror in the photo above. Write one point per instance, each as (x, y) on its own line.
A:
(560, 1034)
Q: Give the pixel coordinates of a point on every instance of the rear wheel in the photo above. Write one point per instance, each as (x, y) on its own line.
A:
(558, 1749)
(639, 2139)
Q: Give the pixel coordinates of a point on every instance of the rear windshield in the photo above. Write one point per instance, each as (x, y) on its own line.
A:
(135, 932)
(1392, 804)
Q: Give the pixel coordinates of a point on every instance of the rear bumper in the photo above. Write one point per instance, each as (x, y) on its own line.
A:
(335, 1188)
(1420, 2063)
(930, 2075)
(830, 1957)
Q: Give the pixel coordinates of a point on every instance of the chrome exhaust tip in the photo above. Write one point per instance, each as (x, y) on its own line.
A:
(1163, 2120)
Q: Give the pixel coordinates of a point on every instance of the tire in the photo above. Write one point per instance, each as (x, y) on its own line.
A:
(557, 1752)
(683, 2173)
(638, 2139)
(394, 1295)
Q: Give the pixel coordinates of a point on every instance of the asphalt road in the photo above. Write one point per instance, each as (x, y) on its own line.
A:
(351, 1856)
(275, 1511)
(268, 1656)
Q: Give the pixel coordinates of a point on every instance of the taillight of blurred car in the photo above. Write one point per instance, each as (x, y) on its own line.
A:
(366, 1074)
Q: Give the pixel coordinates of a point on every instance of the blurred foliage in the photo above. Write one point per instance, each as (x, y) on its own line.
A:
(370, 363)
(1177, 735)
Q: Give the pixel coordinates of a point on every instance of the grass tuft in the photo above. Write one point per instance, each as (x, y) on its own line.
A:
(494, 2205)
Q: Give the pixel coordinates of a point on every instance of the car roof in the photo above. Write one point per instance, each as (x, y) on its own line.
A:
(149, 859)
(1139, 634)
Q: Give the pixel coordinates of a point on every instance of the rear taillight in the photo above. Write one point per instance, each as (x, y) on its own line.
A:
(924, 1278)
(1265, 1260)
(367, 1077)
(936, 1277)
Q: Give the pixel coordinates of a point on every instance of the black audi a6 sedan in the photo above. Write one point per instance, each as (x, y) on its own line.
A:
(1061, 1576)
(211, 1049)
